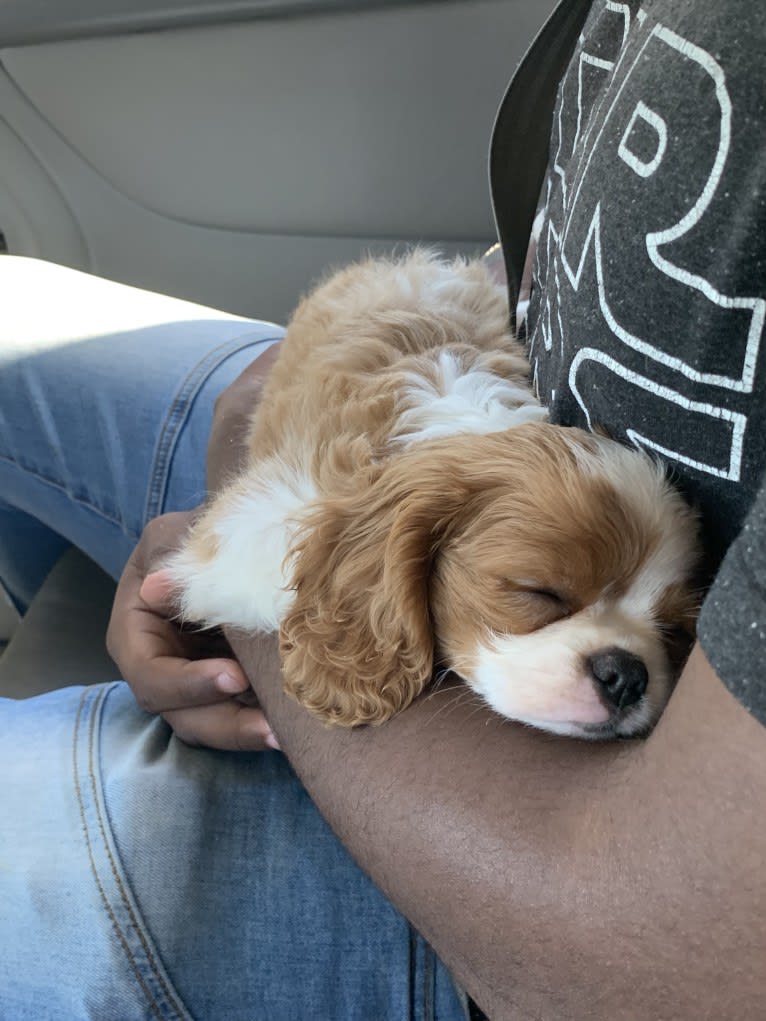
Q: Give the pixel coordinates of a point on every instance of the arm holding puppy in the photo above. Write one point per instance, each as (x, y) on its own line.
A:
(619, 880)
(558, 879)
(583, 880)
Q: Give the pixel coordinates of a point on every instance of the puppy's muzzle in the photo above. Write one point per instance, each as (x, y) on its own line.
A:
(621, 677)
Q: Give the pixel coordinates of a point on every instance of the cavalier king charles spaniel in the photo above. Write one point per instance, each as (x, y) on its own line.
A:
(405, 506)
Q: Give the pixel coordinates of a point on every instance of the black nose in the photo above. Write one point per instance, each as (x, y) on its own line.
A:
(621, 676)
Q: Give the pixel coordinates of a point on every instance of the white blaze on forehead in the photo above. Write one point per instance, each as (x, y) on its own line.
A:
(668, 564)
(643, 486)
(459, 400)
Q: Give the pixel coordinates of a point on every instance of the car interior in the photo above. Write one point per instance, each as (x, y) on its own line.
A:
(227, 153)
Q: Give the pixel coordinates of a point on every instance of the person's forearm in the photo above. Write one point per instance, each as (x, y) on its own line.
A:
(557, 879)
(464, 821)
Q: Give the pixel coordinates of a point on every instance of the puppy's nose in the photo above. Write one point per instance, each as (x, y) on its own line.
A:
(621, 676)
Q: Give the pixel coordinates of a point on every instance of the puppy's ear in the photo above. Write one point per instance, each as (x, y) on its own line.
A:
(357, 643)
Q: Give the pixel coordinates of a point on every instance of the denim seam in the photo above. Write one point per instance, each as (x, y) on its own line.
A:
(178, 413)
(167, 1007)
(136, 922)
(91, 859)
(55, 484)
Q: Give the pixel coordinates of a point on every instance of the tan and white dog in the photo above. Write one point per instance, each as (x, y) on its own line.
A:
(407, 506)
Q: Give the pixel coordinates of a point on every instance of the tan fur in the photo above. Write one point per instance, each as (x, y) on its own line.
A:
(400, 574)
(357, 644)
(335, 392)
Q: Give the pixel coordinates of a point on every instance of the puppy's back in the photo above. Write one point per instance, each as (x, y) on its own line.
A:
(355, 345)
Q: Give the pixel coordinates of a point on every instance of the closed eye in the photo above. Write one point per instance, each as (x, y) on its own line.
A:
(552, 603)
(550, 596)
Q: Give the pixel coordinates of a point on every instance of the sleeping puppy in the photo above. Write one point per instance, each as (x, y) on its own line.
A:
(406, 506)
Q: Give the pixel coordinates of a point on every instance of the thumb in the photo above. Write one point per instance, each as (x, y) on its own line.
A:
(158, 591)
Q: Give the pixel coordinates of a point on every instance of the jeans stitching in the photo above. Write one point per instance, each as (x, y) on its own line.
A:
(180, 407)
(136, 922)
(153, 1006)
(167, 1006)
(178, 413)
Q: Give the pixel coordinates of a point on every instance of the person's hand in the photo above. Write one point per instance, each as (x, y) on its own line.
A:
(189, 676)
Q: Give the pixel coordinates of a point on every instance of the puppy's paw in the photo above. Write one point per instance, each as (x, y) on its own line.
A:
(189, 580)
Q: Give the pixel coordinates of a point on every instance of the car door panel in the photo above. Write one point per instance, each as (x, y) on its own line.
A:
(233, 163)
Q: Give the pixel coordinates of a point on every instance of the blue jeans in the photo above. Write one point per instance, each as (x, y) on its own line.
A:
(141, 878)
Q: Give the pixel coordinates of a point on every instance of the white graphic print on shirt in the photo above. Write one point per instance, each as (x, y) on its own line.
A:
(636, 202)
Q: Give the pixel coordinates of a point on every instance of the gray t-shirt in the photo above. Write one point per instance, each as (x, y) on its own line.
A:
(647, 310)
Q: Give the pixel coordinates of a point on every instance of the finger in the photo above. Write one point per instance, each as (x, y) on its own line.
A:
(154, 656)
(162, 682)
(187, 682)
(228, 726)
(160, 536)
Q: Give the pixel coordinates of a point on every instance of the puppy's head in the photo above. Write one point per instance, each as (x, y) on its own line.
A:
(563, 596)
(548, 567)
